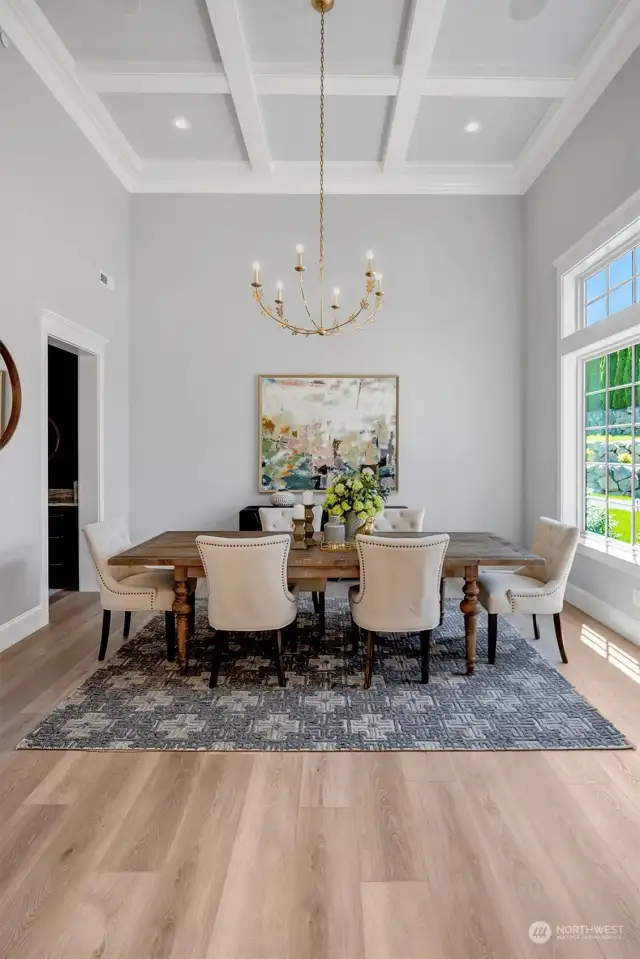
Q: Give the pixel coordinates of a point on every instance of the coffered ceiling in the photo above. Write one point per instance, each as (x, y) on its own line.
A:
(405, 78)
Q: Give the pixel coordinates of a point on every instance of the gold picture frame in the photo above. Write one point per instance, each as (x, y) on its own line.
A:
(388, 385)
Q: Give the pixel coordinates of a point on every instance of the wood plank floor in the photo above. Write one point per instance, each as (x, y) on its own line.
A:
(325, 856)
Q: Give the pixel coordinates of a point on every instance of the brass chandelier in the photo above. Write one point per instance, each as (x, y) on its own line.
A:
(366, 311)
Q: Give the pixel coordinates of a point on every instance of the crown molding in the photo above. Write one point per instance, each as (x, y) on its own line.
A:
(41, 47)
(616, 41)
(340, 178)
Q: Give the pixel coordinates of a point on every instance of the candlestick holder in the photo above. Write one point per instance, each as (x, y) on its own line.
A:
(298, 535)
(308, 525)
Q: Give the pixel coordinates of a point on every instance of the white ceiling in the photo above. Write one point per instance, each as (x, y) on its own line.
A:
(403, 79)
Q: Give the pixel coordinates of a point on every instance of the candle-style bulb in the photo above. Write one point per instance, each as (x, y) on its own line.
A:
(279, 291)
(256, 271)
(299, 251)
(336, 296)
(369, 261)
(378, 282)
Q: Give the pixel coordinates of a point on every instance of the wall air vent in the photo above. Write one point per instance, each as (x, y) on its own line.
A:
(108, 281)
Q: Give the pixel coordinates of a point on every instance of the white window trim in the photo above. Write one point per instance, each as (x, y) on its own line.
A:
(577, 344)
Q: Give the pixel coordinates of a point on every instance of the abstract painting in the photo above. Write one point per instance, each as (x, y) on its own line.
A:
(314, 427)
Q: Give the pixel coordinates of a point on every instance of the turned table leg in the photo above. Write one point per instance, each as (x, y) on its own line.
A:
(182, 609)
(470, 608)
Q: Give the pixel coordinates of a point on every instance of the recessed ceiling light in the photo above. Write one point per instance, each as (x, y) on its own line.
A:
(473, 126)
(181, 123)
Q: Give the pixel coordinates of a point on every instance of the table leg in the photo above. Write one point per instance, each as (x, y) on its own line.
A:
(470, 607)
(321, 612)
(182, 609)
(192, 582)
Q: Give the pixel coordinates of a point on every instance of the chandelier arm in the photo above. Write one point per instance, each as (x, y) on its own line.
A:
(304, 300)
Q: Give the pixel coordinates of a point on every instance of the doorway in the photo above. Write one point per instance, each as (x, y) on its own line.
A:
(71, 445)
(62, 416)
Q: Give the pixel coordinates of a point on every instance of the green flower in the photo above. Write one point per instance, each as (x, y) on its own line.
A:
(331, 498)
(358, 506)
(362, 515)
(357, 485)
(339, 489)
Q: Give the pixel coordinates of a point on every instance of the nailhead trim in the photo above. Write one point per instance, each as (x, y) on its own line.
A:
(359, 544)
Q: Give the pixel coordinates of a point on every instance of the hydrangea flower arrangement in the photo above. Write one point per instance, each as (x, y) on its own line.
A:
(359, 493)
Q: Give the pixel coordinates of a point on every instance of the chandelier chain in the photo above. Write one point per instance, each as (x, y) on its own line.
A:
(322, 140)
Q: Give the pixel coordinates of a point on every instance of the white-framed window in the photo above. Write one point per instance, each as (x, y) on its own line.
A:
(599, 414)
(613, 286)
(610, 489)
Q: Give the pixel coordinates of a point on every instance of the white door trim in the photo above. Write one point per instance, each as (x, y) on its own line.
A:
(57, 328)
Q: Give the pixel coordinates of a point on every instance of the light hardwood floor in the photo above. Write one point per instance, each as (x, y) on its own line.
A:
(329, 856)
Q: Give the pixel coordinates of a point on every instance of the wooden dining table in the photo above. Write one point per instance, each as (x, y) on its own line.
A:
(313, 567)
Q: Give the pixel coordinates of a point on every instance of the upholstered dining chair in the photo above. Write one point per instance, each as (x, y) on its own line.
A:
(533, 590)
(128, 588)
(406, 520)
(248, 591)
(399, 520)
(278, 519)
(398, 592)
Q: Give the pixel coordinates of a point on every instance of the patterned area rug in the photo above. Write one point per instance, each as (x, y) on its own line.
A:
(137, 700)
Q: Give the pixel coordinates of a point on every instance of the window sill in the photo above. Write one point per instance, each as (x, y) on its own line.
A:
(611, 554)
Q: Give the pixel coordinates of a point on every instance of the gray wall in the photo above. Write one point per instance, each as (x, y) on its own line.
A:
(451, 329)
(63, 219)
(594, 172)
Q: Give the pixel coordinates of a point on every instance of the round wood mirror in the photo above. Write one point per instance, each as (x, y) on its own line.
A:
(10, 396)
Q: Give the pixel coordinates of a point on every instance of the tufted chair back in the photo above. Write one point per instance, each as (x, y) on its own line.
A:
(276, 519)
(399, 583)
(248, 582)
(105, 540)
(400, 520)
(558, 544)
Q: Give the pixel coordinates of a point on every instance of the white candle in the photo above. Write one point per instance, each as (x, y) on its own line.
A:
(307, 497)
(336, 297)
(369, 261)
(298, 511)
(299, 251)
(279, 289)
(256, 272)
(378, 282)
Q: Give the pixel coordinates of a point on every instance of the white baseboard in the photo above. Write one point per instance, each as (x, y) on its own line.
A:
(23, 625)
(606, 614)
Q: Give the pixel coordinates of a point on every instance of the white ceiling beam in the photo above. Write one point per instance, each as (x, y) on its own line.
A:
(232, 44)
(423, 33)
(157, 176)
(37, 41)
(140, 77)
(616, 41)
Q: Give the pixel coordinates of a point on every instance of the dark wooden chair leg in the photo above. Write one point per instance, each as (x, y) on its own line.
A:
(218, 642)
(278, 659)
(192, 617)
(127, 625)
(321, 613)
(425, 649)
(536, 628)
(442, 600)
(316, 604)
(368, 664)
(292, 635)
(104, 639)
(492, 636)
(170, 634)
(558, 628)
(355, 637)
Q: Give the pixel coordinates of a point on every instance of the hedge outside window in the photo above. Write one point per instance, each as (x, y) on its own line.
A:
(612, 445)
(613, 288)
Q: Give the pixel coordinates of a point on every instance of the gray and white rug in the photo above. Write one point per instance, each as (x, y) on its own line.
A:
(137, 700)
